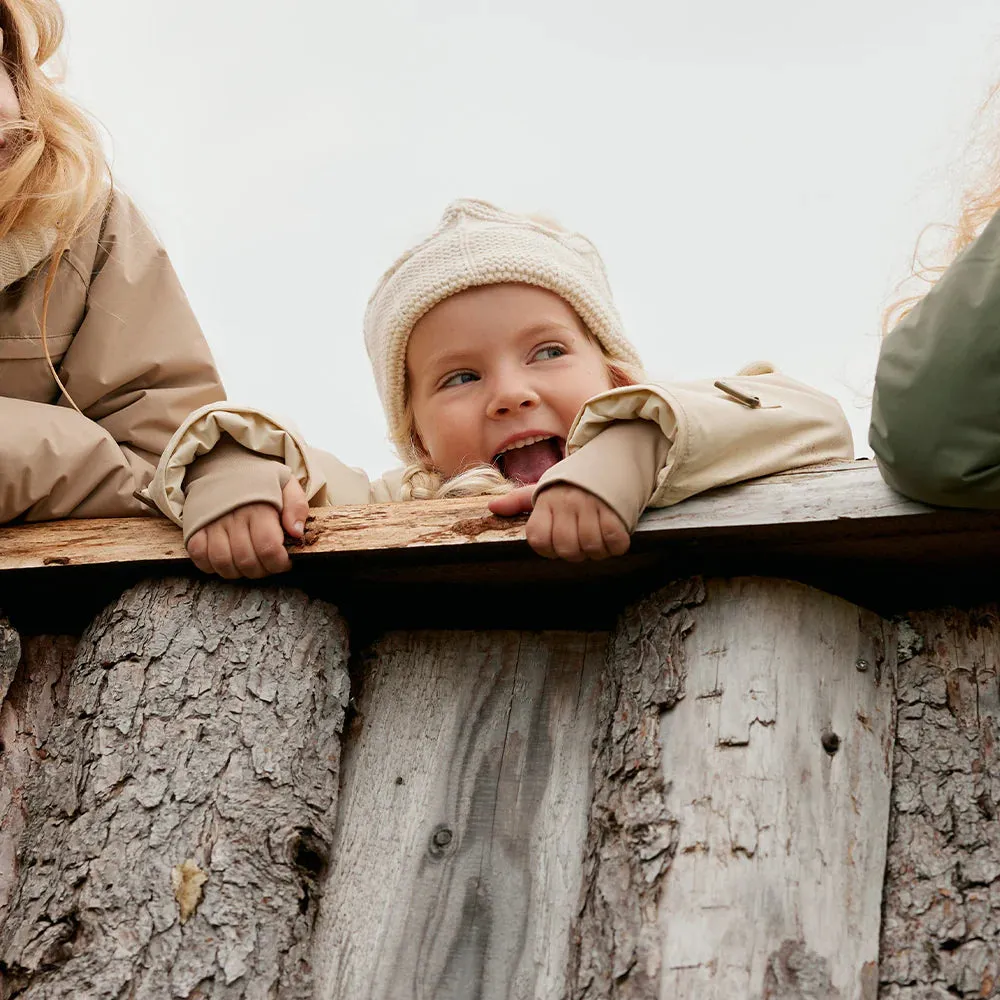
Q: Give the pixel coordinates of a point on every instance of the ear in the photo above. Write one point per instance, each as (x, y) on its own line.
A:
(619, 378)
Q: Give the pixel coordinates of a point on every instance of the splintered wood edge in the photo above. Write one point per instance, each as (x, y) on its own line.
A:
(817, 496)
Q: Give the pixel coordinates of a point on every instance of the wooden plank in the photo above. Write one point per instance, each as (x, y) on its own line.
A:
(777, 765)
(808, 503)
(456, 860)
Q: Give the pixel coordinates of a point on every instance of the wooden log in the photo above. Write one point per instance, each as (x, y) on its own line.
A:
(32, 698)
(941, 933)
(809, 504)
(183, 815)
(457, 854)
(741, 853)
(738, 807)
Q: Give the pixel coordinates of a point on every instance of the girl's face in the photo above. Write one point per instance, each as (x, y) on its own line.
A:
(497, 375)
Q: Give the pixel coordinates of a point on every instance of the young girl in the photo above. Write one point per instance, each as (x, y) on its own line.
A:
(503, 368)
(935, 415)
(100, 355)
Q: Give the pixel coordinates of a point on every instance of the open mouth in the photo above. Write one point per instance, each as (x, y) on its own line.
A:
(527, 460)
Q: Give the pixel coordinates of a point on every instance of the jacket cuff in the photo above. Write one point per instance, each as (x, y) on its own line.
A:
(203, 429)
(228, 477)
(619, 466)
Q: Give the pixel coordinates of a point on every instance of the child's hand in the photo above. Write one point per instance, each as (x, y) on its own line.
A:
(250, 541)
(567, 522)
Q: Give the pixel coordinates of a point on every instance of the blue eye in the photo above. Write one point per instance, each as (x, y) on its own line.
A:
(459, 378)
(549, 353)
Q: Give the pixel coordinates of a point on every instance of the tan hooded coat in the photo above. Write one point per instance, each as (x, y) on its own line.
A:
(130, 353)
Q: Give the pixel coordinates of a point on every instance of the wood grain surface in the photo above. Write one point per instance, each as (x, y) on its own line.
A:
(456, 860)
(848, 494)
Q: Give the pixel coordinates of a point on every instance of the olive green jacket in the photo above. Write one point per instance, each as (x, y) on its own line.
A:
(936, 411)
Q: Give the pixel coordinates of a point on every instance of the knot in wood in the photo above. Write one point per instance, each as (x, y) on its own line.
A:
(441, 839)
(309, 852)
(830, 741)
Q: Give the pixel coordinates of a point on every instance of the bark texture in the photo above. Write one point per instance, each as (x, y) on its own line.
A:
(183, 814)
(616, 945)
(34, 684)
(941, 927)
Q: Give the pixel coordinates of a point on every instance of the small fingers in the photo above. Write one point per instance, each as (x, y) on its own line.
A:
(516, 502)
(294, 510)
(243, 553)
(590, 532)
(219, 553)
(268, 541)
(538, 530)
(566, 535)
(616, 536)
(197, 548)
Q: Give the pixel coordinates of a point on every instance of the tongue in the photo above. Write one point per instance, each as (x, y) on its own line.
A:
(526, 465)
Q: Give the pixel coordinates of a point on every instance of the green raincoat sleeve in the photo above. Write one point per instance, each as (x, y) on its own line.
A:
(936, 411)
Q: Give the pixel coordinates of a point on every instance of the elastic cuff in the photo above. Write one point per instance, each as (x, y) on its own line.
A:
(233, 481)
(619, 466)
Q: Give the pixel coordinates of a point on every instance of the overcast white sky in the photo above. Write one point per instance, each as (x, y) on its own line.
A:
(754, 173)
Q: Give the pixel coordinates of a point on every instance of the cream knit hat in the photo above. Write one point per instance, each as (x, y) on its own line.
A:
(479, 244)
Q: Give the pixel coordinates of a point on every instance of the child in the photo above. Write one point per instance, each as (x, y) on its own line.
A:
(503, 368)
(87, 288)
(935, 414)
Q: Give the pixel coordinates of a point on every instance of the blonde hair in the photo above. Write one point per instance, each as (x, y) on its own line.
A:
(421, 481)
(58, 177)
(979, 202)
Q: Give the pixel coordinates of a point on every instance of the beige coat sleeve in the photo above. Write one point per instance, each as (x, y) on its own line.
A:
(224, 456)
(138, 363)
(619, 466)
(719, 432)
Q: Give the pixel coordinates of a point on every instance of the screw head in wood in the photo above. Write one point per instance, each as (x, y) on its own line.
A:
(861, 664)
(441, 839)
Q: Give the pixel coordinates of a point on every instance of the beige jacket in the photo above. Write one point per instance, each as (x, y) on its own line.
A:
(130, 353)
(648, 445)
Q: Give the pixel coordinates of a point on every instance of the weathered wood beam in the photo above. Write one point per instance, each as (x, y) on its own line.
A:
(812, 506)
(456, 862)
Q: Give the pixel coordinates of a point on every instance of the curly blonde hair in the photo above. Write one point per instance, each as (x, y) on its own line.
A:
(421, 481)
(57, 178)
(58, 174)
(979, 202)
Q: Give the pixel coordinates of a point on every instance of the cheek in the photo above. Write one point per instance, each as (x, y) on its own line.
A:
(449, 433)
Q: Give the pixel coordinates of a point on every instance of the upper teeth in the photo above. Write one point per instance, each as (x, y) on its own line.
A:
(524, 442)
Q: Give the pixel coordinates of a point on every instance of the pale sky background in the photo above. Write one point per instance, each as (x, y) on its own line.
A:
(754, 174)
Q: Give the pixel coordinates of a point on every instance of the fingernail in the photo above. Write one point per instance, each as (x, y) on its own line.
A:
(299, 527)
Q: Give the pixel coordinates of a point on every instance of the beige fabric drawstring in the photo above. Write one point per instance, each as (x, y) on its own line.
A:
(20, 254)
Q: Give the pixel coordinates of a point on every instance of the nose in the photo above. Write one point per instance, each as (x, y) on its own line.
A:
(511, 394)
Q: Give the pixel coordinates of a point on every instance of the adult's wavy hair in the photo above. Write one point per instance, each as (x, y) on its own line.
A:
(939, 244)
(57, 176)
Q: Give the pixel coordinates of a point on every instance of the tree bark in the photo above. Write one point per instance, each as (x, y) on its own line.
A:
(941, 930)
(34, 684)
(182, 817)
(742, 783)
